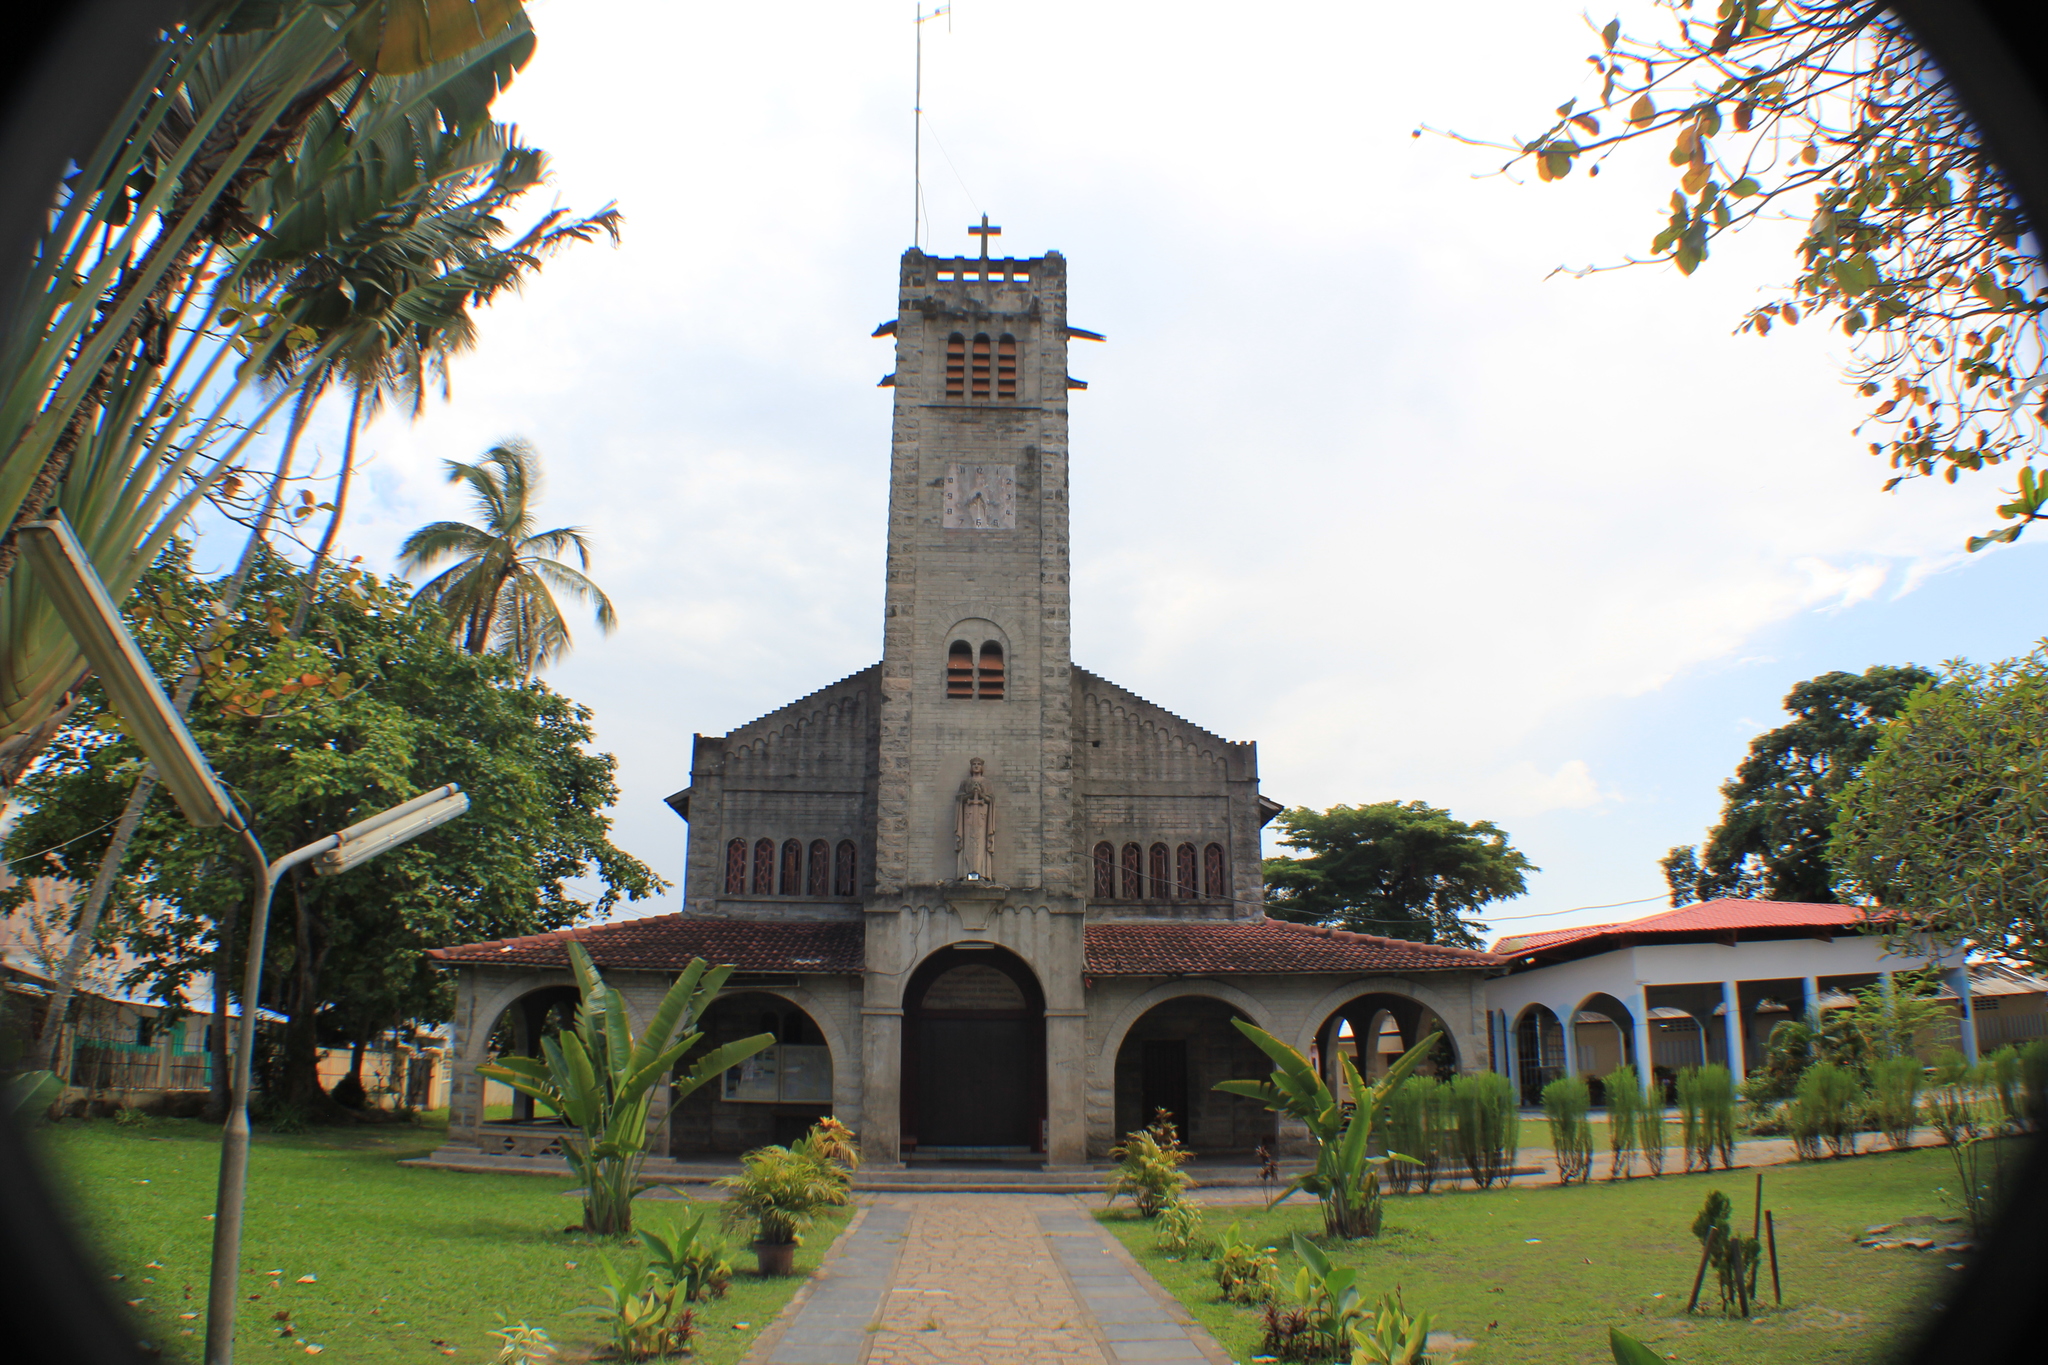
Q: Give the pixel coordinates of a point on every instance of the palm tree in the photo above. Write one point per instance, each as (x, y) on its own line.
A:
(500, 593)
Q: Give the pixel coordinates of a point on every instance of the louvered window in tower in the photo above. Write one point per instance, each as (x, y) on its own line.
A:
(956, 366)
(764, 867)
(960, 670)
(1105, 871)
(1133, 872)
(989, 677)
(819, 882)
(846, 870)
(1161, 884)
(736, 868)
(1184, 884)
(1006, 368)
(1214, 884)
(792, 868)
(978, 369)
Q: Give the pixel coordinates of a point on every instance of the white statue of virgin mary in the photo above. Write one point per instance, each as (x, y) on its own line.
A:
(974, 826)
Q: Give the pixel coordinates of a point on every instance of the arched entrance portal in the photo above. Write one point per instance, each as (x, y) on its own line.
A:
(1172, 1058)
(973, 1055)
(1376, 1028)
(517, 1033)
(1539, 1051)
(774, 1096)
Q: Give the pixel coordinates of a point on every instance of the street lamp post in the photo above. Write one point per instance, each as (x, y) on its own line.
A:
(89, 612)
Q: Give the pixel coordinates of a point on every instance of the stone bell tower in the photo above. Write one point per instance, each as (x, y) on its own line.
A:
(976, 844)
(976, 661)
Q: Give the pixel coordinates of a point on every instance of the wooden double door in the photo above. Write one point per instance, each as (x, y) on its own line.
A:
(974, 1053)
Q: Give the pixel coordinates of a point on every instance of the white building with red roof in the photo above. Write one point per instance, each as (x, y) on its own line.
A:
(1708, 982)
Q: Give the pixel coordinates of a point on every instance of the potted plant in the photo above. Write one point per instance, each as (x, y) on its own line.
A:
(782, 1190)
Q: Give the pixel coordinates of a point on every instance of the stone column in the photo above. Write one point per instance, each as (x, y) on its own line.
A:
(1731, 1030)
(881, 1136)
(1811, 1005)
(1066, 1085)
(465, 1087)
(1646, 1057)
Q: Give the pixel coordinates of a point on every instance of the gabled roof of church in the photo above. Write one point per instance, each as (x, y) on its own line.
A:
(1088, 676)
(666, 943)
(1264, 947)
(808, 698)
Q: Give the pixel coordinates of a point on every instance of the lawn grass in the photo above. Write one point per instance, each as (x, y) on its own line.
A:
(411, 1265)
(1620, 1255)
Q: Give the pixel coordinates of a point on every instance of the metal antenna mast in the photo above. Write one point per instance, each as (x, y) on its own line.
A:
(917, 123)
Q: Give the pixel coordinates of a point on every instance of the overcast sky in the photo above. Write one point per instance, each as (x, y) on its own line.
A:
(1355, 477)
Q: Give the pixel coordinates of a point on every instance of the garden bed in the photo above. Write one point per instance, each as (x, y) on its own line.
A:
(409, 1265)
(1539, 1273)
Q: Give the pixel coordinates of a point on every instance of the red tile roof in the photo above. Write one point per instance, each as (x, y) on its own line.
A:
(1263, 946)
(1706, 920)
(666, 943)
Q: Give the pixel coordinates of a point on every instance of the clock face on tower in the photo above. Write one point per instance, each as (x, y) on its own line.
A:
(980, 497)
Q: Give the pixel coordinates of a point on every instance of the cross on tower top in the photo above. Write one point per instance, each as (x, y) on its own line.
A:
(984, 232)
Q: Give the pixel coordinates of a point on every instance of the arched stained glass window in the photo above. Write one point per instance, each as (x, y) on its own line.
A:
(978, 371)
(820, 881)
(1160, 885)
(1133, 873)
(764, 867)
(956, 366)
(1105, 871)
(792, 867)
(959, 670)
(1006, 368)
(736, 868)
(1184, 884)
(989, 677)
(846, 870)
(1215, 881)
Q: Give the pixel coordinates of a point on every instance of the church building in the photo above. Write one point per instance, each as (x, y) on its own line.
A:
(992, 905)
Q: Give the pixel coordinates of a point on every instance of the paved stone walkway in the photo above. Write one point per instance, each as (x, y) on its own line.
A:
(983, 1279)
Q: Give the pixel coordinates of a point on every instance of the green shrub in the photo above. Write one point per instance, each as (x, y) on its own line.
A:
(1489, 1126)
(1714, 1102)
(689, 1260)
(1565, 1105)
(1734, 1258)
(783, 1190)
(1327, 1295)
(1624, 1110)
(1650, 1135)
(1389, 1336)
(1825, 1110)
(2034, 1083)
(2001, 1073)
(1895, 1098)
(1149, 1167)
(1951, 1106)
(1245, 1273)
(640, 1313)
(1691, 1125)
(1420, 1124)
(521, 1343)
(1179, 1231)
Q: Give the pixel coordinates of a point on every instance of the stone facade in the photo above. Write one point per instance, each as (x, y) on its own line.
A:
(976, 803)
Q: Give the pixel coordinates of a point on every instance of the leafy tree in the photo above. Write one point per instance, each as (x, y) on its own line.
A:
(500, 593)
(1778, 810)
(1947, 827)
(371, 706)
(1828, 109)
(1401, 869)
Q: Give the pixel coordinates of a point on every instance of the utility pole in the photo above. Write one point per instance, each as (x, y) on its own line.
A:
(917, 122)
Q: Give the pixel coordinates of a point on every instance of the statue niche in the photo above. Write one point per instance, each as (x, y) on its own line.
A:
(974, 827)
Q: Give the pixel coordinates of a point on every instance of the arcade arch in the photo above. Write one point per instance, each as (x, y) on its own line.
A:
(521, 1023)
(973, 1069)
(772, 1097)
(1171, 1057)
(1539, 1051)
(1358, 1027)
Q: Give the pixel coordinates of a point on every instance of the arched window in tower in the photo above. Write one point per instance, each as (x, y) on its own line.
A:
(978, 370)
(1105, 871)
(792, 867)
(1006, 368)
(956, 366)
(1215, 884)
(736, 868)
(764, 867)
(959, 670)
(989, 677)
(1160, 886)
(1133, 873)
(846, 870)
(819, 883)
(1184, 883)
